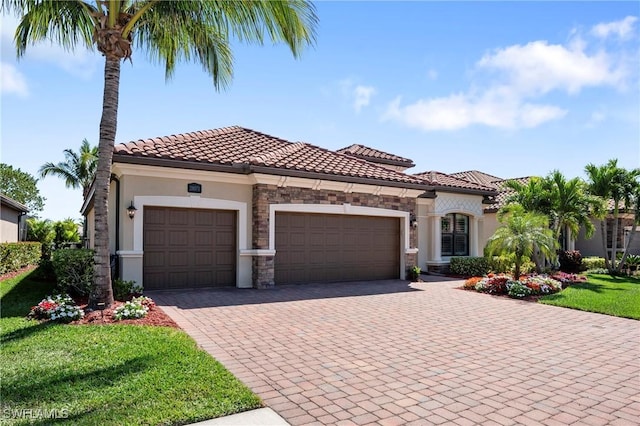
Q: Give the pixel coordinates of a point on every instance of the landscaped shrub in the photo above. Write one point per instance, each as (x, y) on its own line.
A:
(74, 270)
(517, 290)
(469, 266)
(570, 260)
(138, 307)
(505, 264)
(593, 262)
(14, 256)
(122, 289)
(413, 273)
(505, 284)
(60, 307)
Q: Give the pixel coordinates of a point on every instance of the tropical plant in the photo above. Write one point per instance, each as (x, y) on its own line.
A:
(41, 231)
(21, 187)
(78, 169)
(620, 186)
(521, 233)
(66, 231)
(169, 32)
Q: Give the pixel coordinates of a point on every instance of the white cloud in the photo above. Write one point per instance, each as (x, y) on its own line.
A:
(538, 68)
(622, 29)
(362, 96)
(357, 94)
(509, 83)
(461, 110)
(12, 81)
(80, 63)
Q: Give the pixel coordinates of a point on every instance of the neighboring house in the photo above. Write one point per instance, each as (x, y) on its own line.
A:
(593, 246)
(13, 226)
(236, 207)
(587, 247)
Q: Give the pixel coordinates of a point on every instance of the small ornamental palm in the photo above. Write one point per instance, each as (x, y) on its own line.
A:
(521, 233)
(78, 170)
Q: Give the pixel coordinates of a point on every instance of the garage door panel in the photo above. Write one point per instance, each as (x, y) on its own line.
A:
(189, 248)
(336, 248)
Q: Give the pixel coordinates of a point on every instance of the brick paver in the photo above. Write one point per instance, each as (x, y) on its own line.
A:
(389, 352)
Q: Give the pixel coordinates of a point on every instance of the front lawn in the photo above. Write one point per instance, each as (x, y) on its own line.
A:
(617, 296)
(105, 374)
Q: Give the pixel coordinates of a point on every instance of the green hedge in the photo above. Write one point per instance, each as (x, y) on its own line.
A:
(14, 256)
(74, 270)
(593, 262)
(469, 266)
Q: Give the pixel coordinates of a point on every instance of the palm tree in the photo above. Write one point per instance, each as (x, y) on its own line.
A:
(618, 185)
(78, 170)
(521, 233)
(169, 32)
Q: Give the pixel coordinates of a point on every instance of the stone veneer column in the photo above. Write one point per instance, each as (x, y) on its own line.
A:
(262, 266)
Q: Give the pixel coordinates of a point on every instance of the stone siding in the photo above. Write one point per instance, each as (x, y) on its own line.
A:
(265, 195)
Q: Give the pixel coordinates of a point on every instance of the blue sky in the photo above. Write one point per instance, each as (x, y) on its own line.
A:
(509, 88)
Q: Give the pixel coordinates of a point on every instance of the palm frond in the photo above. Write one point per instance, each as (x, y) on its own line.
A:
(67, 23)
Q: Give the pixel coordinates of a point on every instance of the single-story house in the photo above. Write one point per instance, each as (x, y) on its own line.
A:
(236, 207)
(12, 220)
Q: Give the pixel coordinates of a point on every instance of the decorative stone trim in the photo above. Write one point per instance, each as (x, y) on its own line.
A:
(343, 199)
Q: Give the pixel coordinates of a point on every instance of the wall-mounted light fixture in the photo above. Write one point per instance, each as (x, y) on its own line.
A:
(131, 210)
(412, 220)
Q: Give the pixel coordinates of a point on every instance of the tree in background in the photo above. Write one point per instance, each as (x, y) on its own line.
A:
(620, 187)
(22, 187)
(66, 231)
(521, 233)
(78, 170)
(170, 32)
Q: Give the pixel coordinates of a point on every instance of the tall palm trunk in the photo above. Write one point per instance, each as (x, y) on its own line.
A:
(103, 292)
(614, 238)
(603, 231)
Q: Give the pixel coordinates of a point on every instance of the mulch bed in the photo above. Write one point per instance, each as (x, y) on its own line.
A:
(13, 274)
(155, 317)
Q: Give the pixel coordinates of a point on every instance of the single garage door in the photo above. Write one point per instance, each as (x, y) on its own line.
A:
(317, 248)
(186, 248)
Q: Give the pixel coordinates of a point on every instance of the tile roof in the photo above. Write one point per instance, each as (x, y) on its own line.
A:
(478, 177)
(375, 155)
(504, 193)
(241, 150)
(441, 180)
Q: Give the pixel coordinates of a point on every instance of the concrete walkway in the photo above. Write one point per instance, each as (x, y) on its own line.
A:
(394, 353)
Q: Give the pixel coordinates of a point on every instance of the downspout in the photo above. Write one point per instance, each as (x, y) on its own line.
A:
(114, 257)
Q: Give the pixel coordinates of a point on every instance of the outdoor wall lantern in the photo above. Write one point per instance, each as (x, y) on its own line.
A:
(131, 210)
(412, 220)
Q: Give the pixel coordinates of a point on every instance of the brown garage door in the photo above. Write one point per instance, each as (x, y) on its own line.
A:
(316, 248)
(186, 248)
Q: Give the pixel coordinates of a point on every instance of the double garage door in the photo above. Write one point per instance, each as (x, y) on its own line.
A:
(317, 248)
(187, 248)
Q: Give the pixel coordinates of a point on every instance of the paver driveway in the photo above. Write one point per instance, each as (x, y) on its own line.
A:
(395, 353)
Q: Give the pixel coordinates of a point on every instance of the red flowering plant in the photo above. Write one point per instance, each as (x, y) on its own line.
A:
(567, 279)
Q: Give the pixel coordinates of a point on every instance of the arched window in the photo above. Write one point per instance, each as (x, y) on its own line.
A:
(455, 235)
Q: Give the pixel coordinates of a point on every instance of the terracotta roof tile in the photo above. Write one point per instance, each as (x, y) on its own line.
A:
(245, 147)
(439, 179)
(504, 193)
(478, 177)
(375, 155)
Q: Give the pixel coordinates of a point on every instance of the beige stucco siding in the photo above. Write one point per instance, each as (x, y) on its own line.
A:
(489, 226)
(9, 225)
(143, 186)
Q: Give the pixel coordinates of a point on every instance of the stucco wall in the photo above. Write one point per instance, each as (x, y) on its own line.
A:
(593, 246)
(488, 227)
(9, 225)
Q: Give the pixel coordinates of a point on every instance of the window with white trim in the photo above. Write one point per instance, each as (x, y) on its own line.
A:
(455, 235)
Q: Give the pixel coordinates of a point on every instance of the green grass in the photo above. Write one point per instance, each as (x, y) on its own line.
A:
(617, 296)
(106, 374)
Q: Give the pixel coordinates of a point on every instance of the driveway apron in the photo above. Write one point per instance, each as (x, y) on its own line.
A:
(391, 352)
